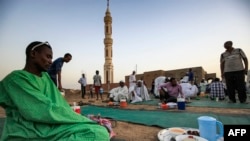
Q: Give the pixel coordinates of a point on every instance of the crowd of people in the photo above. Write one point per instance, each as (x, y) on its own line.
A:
(35, 109)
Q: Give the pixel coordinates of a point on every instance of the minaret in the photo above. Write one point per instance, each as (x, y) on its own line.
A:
(108, 41)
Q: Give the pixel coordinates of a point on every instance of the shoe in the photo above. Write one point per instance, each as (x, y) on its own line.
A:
(230, 101)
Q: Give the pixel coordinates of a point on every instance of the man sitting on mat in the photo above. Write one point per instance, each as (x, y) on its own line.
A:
(170, 91)
(36, 110)
(189, 90)
(118, 93)
(217, 89)
(139, 93)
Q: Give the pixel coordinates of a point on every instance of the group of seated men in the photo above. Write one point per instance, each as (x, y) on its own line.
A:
(133, 94)
(168, 91)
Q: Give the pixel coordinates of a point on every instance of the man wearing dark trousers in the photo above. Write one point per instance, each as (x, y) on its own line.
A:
(233, 70)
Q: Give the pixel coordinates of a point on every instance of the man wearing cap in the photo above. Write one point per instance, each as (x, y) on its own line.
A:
(118, 93)
(139, 92)
(35, 109)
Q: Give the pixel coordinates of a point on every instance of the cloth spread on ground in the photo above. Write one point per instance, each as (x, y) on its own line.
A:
(35, 110)
(202, 102)
(164, 119)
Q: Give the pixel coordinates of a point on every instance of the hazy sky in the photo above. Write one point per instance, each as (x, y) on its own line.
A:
(149, 34)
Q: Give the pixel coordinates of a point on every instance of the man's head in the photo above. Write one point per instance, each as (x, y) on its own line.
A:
(97, 72)
(67, 57)
(38, 56)
(121, 83)
(133, 72)
(228, 45)
(173, 81)
(139, 83)
(216, 79)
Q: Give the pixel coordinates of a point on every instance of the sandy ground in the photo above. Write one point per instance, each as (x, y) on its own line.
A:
(137, 132)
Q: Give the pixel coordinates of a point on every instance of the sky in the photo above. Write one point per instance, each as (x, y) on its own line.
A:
(147, 35)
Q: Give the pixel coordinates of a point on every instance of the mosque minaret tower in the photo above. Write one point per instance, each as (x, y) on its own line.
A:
(108, 42)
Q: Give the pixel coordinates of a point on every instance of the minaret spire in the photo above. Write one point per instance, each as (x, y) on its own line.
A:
(108, 42)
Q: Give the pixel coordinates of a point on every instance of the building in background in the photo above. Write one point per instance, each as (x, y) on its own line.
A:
(148, 76)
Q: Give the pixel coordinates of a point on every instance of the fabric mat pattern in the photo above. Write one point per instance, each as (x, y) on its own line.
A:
(202, 102)
(164, 119)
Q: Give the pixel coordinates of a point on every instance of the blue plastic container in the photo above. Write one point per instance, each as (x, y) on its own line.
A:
(181, 105)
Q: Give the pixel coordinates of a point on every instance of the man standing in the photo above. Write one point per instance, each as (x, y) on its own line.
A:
(190, 75)
(56, 69)
(234, 72)
(97, 84)
(83, 83)
(132, 80)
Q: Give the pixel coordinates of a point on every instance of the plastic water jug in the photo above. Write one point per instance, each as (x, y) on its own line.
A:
(208, 128)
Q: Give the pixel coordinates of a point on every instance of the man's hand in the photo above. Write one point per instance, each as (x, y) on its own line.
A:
(246, 72)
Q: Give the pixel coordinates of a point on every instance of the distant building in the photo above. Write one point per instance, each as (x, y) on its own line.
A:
(199, 73)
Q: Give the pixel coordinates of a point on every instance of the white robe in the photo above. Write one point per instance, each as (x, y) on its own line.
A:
(119, 93)
(140, 94)
(135, 97)
(158, 81)
(132, 80)
(189, 90)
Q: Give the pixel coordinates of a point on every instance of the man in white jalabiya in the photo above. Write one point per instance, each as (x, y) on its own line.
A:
(118, 93)
(138, 93)
(132, 80)
(189, 90)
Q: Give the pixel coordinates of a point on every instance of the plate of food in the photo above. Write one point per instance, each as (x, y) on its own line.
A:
(189, 138)
(169, 134)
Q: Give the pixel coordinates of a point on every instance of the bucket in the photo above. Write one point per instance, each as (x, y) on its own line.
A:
(123, 103)
(181, 104)
(208, 128)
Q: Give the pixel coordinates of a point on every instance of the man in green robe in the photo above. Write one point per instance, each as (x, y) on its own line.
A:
(36, 110)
